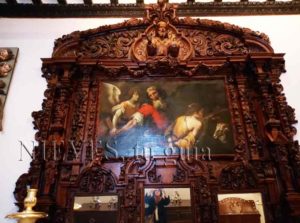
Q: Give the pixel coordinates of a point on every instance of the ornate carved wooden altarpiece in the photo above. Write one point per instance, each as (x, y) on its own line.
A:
(265, 157)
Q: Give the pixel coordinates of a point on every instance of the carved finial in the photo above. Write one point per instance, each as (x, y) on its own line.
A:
(161, 11)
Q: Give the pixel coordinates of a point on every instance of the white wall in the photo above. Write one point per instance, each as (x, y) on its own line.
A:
(35, 38)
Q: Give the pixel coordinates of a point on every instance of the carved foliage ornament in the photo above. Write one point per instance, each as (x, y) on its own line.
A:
(114, 45)
(95, 178)
(238, 176)
(165, 36)
(207, 43)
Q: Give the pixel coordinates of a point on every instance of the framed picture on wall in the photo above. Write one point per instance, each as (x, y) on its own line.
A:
(8, 58)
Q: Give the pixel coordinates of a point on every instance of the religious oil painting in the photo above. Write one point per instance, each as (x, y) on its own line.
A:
(163, 117)
(7, 62)
(166, 205)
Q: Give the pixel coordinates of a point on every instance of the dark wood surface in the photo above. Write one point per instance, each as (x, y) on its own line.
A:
(179, 214)
(240, 218)
(95, 217)
(266, 158)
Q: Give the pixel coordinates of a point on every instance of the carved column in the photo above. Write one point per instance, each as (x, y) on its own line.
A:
(132, 203)
(207, 208)
(54, 145)
(77, 130)
(240, 150)
(276, 138)
(90, 141)
(243, 90)
(290, 149)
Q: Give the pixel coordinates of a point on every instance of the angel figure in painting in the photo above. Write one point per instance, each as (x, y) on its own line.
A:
(110, 98)
(124, 111)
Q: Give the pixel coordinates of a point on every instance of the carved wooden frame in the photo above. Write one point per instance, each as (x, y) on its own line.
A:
(266, 158)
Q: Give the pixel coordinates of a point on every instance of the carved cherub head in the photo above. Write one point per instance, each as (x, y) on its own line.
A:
(5, 54)
(161, 30)
(4, 69)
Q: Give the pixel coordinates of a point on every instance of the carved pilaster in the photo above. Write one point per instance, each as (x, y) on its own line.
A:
(240, 149)
(206, 207)
(277, 127)
(247, 116)
(90, 144)
(132, 202)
